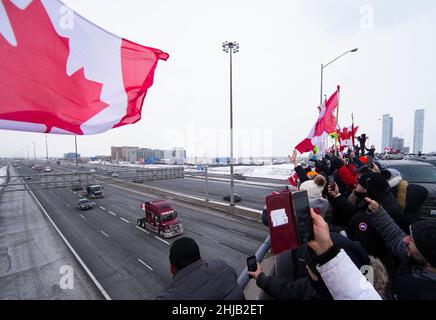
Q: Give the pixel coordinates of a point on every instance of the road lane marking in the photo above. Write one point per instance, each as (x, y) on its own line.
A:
(102, 208)
(68, 205)
(87, 270)
(112, 213)
(93, 203)
(82, 216)
(162, 240)
(143, 230)
(145, 264)
(104, 233)
(125, 220)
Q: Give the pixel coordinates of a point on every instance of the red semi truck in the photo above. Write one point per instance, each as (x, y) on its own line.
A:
(161, 218)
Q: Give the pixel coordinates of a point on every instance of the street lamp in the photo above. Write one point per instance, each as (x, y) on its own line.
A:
(46, 148)
(322, 79)
(326, 65)
(231, 47)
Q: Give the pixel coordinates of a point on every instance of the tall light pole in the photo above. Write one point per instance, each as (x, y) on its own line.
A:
(75, 142)
(323, 66)
(231, 47)
(46, 148)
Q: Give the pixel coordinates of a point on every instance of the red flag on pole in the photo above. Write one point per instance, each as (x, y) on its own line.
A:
(325, 125)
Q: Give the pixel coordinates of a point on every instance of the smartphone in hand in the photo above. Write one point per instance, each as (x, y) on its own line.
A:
(303, 219)
(252, 264)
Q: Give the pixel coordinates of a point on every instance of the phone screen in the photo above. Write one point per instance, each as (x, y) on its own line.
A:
(303, 219)
(251, 264)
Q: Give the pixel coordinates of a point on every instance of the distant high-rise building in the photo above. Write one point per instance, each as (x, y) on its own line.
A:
(397, 144)
(388, 127)
(418, 136)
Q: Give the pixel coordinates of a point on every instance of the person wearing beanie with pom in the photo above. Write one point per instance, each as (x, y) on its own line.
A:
(415, 279)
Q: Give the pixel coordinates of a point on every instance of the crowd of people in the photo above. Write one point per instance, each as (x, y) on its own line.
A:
(366, 219)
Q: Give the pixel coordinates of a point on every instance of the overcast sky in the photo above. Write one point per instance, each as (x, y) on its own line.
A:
(276, 73)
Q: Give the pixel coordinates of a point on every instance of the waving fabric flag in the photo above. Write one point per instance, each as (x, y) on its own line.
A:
(60, 73)
(346, 136)
(325, 125)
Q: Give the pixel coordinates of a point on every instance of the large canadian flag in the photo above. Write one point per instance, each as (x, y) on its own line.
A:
(325, 125)
(60, 73)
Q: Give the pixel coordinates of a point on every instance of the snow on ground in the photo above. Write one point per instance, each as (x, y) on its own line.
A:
(280, 171)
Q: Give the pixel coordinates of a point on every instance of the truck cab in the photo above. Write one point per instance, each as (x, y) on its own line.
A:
(94, 192)
(161, 218)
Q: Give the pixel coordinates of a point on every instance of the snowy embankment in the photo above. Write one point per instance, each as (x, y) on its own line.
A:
(280, 171)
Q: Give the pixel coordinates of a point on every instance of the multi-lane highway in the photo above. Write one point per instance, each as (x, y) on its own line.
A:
(253, 191)
(131, 263)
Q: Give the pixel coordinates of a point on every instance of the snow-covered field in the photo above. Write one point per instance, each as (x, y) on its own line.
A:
(280, 171)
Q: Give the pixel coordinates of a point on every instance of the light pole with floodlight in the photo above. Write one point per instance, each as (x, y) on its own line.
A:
(231, 47)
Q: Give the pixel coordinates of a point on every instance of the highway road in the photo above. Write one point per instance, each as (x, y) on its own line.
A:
(132, 263)
(253, 196)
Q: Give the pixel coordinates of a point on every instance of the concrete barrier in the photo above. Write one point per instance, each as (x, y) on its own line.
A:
(243, 212)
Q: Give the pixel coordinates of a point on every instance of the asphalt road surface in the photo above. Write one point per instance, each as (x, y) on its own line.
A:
(253, 196)
(132, 263)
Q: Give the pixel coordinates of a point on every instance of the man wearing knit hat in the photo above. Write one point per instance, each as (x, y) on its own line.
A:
(196, 279)
(415, 279)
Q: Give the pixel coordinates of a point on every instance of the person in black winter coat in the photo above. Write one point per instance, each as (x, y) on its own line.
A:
(415, 279)
(362, 140)
(196, 279)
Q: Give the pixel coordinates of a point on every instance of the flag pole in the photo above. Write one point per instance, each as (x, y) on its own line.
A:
(352, 130)
(337, 122)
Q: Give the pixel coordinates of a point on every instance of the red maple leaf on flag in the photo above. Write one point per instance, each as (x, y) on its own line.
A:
(33, 78)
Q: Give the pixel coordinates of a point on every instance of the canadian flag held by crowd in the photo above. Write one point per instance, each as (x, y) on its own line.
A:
(60, 73)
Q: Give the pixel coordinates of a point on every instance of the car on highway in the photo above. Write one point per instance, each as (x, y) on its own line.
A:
(391, 156)
(239, 176)
(47, 169)
(77, 187)
(27, 178)
(94, 192)
(420, 173)
(431, 160)
(161, 218)
(84, 204)
(236, 196)
(115, 174)
(92, 170)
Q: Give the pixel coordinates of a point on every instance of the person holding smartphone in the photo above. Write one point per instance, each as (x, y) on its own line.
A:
(321, 254)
